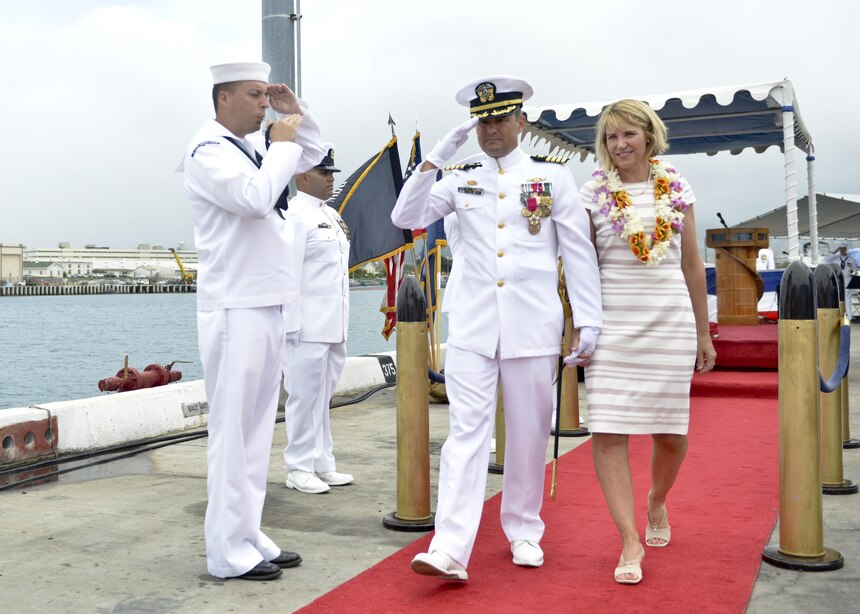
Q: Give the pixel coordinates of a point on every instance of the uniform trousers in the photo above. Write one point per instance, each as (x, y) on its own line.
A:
(311, 372)
(470, 382)
(241, 352)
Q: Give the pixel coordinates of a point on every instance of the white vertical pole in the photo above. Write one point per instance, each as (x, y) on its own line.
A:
(813, 207)
(298, 25)
(790, 182)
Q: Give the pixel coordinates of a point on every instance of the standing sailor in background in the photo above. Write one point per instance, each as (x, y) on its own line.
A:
(316, 352)
(847, 265)
(243, 281)
(515, 214)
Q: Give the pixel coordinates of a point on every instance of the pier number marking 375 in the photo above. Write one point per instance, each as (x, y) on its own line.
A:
(389, 370)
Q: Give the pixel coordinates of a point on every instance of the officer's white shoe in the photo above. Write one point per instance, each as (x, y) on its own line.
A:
(526, 553)
(333, 478)
(305, 481)
(440, 565)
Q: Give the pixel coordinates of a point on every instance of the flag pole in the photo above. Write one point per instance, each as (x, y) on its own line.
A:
(557, 423)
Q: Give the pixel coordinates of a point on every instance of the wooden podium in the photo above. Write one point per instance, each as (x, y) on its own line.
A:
(739, 286)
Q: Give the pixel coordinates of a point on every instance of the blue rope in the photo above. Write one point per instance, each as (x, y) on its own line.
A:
(841, 364)
(439, 378)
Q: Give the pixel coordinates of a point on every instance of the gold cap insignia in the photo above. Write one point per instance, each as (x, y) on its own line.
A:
(486, 92)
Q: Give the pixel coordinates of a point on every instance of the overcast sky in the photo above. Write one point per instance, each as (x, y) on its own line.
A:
(100, 98)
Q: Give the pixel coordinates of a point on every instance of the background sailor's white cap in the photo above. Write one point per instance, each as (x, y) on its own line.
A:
(843, 244)
(496, 95)
(240, 71)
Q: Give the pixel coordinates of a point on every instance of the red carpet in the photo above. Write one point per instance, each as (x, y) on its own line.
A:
(736, 383)
(722, 510)
(747, 347)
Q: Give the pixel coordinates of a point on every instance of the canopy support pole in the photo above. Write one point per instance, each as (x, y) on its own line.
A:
(790, 185)
(813, 208)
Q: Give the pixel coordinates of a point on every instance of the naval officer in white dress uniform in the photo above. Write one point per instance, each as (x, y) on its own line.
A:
(516, 214)
(244, 283)
(316, 352)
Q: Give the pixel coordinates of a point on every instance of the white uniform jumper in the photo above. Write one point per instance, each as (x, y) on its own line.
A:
(505, 319)
(244, 278)
(313, 366)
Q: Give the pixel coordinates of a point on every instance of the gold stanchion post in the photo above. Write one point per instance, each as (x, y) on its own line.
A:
(569, 424)
(413, 413)
(829, 323)
(848, 442)
(801, 539)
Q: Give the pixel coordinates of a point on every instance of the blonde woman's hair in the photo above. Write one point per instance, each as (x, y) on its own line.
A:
(638, 114)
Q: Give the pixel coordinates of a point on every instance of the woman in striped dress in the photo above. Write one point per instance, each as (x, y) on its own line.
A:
(655, 328)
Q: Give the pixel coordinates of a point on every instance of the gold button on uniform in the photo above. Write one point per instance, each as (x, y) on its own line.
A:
(500, 283)
(501, 171)
(500, 254)
(501, 195)
(501, 224)
(466, 206)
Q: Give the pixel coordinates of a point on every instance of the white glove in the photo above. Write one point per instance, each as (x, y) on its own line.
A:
(587, 342)
(450, 143)
(292, 337)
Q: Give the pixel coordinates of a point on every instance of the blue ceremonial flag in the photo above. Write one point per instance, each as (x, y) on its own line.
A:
(431, 267)
(414, 155)
(365, 201)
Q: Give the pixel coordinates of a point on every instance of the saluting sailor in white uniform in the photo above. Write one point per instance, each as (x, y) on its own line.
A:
(516, 213)
(316, 351)
(244, 280)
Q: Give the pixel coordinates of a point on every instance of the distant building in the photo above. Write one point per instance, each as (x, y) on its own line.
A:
(115, 262)
(11, 263)
(43, 269)
(77, 268)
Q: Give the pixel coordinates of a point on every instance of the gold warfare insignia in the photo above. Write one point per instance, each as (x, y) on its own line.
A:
(536, 197)
(344, 228)
(486, 92)
(472, 182)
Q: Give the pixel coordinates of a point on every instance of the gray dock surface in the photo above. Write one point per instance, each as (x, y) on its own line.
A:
(128, 536)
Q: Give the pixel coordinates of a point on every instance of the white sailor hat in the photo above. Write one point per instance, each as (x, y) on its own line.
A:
(843, 244)
(494, 96)
(240, 71)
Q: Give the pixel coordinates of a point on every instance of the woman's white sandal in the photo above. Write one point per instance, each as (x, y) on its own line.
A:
(658, 536)
(630, 568)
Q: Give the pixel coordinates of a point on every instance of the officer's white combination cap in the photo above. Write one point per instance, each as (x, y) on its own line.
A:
(240, 71)
(494, 96)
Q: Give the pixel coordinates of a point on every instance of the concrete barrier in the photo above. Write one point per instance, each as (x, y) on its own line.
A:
(110, 419)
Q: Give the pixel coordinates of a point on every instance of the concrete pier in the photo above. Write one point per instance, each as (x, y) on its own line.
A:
(96, 289)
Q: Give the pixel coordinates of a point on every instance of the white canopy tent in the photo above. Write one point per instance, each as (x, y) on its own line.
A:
(729, 118)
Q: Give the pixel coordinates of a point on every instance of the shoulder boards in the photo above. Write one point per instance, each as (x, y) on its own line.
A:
(199, 145)
(463, 167)
(553, 159)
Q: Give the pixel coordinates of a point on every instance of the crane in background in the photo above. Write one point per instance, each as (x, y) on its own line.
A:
(187, 278)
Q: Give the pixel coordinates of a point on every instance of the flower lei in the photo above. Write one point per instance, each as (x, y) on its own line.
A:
(669, 207)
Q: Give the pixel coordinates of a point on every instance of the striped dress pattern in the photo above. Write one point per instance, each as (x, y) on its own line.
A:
(638, 381)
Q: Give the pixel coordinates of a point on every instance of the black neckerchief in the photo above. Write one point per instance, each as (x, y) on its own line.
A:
(281, 204)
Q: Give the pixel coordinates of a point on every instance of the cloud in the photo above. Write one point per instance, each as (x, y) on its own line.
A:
(102, 97)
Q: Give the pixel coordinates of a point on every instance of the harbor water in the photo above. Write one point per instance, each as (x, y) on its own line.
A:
(57, 348)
